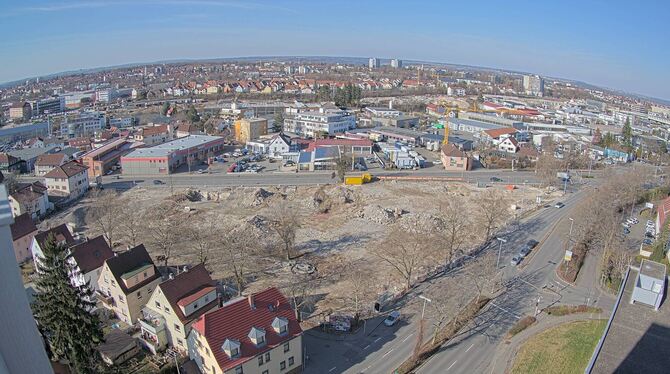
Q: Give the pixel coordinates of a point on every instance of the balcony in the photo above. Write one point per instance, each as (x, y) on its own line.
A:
(107, 301)
(153, 336)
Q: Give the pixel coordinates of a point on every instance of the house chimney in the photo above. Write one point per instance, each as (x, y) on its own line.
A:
(391, 104)
(251, 301)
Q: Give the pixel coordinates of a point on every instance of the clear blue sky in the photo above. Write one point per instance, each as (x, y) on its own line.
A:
(617, 44)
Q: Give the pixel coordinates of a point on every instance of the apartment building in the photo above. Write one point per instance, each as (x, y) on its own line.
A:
(23, 231)
(324, 122)
(127, 281)
(174, 305)
(47, 162)
(154, 135)
(69, 180)
(30, 198)
(258, 334)
(248, 129)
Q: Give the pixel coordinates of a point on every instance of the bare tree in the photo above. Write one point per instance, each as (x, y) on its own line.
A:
(285, 225)
(405, 252)
(11, 182)
(454, 229)
(239, 253)
(105, 214)
(491, 212)
(164, 228)
(546, 167)
(343, 165)
(131, 222)
(360, 288)
(300, 289)
(200, 235)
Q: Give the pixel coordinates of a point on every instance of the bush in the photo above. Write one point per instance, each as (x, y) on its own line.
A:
(563, 310)
(521, 325)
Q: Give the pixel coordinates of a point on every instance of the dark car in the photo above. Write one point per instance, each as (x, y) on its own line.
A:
(158, 182)
(626, 231)
(525, 251)
(495, 179)
(532, 243)
(647, 241)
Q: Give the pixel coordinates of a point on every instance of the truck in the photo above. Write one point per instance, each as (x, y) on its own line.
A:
(563, 176)
(357, 180)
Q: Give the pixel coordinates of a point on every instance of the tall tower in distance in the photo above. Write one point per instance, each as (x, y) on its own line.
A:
(396, 63)
(533, 85)
(373, 63)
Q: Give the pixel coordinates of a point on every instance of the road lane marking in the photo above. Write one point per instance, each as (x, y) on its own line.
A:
(472, 345)
(452, 365)
(334, 367)
(367, 346)
(407, 337)
(378, 339)
(507, 311)
(387, 353)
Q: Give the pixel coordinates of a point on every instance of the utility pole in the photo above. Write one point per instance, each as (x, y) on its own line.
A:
(572, 221)
(501, 241)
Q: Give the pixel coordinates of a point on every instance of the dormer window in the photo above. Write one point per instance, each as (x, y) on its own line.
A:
(231, 348)
(257, 336)
(280, 325)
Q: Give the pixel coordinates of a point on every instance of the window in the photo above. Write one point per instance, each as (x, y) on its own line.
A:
(145, 274)
(139, 295)
(176, 327)
(206, 349)
(195, 306)
(158, 305)
(260, 360)
(290, 361)
(180, 342)
(282, 329)
(286, 347)
(282, 365)
(266, 371)
(121, 299)
(267, 356)
(261, 340)
(238, 370)
(167, 309)
(234, 352)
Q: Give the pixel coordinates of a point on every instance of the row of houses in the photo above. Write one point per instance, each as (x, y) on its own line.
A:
(181, 310)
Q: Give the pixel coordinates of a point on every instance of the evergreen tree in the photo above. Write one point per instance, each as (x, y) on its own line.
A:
(62, 310)
(278, 124)
(627, 133)
(165, 108)
(192, 114)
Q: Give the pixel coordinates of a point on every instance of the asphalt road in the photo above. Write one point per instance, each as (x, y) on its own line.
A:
(123, 182)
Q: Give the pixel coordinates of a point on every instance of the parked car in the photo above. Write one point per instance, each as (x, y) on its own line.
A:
(360, 167)
(559, 205)
(495, 179)
(626, 225)
(232, 168)
(650, 235)
(647, 241)
(532, 243)
(626, 231)
(516, 260)
(525, 251)
(158, 182)
(392, 318)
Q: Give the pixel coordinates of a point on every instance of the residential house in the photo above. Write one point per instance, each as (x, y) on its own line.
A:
(259, 334)
(154, 135)
(174, 305)
(495, 136)
(186, 129)
(62, 235)
(23, 231)
(127, 281)
(279, 145)
(69, 180)
(31, 198)
(509, 145)
(9, 163)
(47, 162)
(453, 159)
(87, 260)
(21, 111)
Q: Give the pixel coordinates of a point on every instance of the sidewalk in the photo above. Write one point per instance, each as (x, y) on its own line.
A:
(504, 357)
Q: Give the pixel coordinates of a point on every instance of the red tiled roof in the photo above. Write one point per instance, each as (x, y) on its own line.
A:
(153, 130)
(495, 133)
(195, 296)
(55, 159)
(22, 226)
(91, 254)
(66, 170)
(186, 286)
(234, 321)
(663, 211)
(451, 150)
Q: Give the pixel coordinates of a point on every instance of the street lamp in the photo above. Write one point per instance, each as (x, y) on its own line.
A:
(572, 222)
(501, 241)
(425, 300)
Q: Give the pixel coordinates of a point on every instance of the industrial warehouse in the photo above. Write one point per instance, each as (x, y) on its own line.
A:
(166, 158)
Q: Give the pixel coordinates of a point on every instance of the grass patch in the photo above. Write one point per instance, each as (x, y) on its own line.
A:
(521, 325)
(564, 310)
(563, 349)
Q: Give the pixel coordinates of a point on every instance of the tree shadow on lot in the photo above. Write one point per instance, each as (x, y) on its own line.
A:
(316, 246)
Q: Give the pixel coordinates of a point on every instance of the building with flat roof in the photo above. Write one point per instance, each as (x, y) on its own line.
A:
(392, 134)
(248, 129)
(323, 122)
(165, 158)
(100, 160)
(24, 131)
(637, 336)
(533, 85)
(471, 126)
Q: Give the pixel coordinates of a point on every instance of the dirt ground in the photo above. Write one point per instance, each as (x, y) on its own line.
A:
(337, 243)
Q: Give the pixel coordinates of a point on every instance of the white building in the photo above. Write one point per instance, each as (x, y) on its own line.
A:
(395, 63)
(69, 180)
(374, 63)
(324, 122)
(533, 85)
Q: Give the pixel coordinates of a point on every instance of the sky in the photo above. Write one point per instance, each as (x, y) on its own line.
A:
(614, 44)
